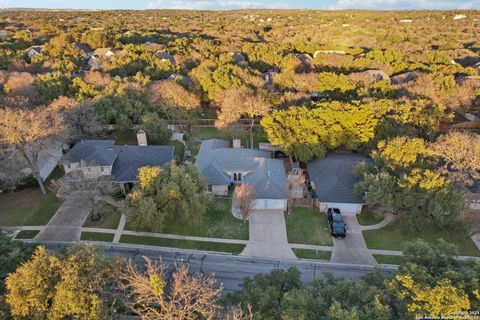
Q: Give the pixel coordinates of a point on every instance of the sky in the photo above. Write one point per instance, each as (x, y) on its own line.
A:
(241, 4)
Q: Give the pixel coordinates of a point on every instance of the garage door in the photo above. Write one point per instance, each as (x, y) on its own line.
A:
(349, 208)
(264, 204)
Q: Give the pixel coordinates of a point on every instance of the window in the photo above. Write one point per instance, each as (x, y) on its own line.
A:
(69, 166)
(101, 169)
(234, 176)
(209, 188)
(237, 177)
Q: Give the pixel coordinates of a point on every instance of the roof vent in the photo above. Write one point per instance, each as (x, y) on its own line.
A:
(237, 143)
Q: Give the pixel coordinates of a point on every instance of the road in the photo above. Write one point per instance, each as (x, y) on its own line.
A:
(230, 269)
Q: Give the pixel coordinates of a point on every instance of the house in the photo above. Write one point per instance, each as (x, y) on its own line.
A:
(104, 52)
(96, 158)
(238, 58)
(405, 21)
(459, 17)
(87, 52)
(332, 180)
(403, 78)
(4, 34)
(369, 76)
(98, 56)
(224, 167)
(337, 52)
(34, 51)
(166, 56)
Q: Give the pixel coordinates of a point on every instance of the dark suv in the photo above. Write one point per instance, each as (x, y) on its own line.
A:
(338, 228)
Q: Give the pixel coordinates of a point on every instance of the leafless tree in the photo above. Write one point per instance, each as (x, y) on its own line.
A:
(186, 296)
(80, 118)
(244, 199)
(90, 191)
(461, 154)
(29, 132)
(238, 102)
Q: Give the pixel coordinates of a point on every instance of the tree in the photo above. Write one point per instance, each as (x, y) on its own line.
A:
(80, 118)
(401, 153)
(460, 152)
(176, 195)
(156, 129)
(73, 284)
(173, 100)
(238, 102)
(149, 295)
(244, 199)
(29, 131)
(52, 85)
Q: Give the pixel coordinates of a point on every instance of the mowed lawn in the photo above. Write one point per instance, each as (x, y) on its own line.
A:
(27, 207)
(217, 223)
(392, 237)
(308, 226)
(109, 220)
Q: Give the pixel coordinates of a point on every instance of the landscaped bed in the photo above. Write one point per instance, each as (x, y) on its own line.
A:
(27, 234)
(184, 244)
(27, 207)
(312, 254)
(392, 237)
(96, 236)
(109, 220)
(217, 223)
(308, 226)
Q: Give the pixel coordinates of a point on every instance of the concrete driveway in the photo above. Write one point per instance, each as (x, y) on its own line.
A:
(66, 224)
(352, 249)
(268, 236)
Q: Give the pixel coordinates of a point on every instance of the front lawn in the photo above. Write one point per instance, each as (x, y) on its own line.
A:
(368, 218)
(109, 220)
(217, 223)
(308, 226)
(96, 236)
(27, 207)
(387, 259)
(27, 234)
(184, 244)
(392, 237)
(312, 254)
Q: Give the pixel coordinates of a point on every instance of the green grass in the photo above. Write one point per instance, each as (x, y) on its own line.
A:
(121, 138)
(204, 133)
(109, 220)
(27, 207)
(392, 237)
(184, 244)
(308, 226)
(27, 234)
(312, 254)
(96, 236)
(179, 149)
(217, 223)
(368, 218)
(386, 259)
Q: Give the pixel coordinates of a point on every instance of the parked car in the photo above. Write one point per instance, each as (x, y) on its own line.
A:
(338, 228)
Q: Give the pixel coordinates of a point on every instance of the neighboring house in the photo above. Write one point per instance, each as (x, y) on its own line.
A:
(332, 180)
(459, 17)
(337, 52)
(34, 51)
(165, 56)
(96, 158)
(403, 78)
(87, 52)
(100, 55)
(238, 58)
(223, 166)
(4, 34)
(369, 76)
(405, 21)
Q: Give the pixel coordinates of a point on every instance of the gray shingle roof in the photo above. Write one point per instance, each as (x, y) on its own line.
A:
(131, 158)
(333, 177)
(93, 152)
(267, 175)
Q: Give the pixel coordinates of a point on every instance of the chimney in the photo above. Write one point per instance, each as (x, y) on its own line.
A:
(237, 143)
(142, 138)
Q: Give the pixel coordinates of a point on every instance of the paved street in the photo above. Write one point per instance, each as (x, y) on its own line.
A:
(268, 236)
(229, 269)
(66, 224)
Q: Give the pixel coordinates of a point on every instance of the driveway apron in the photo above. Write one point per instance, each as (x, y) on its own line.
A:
(268, 236)
(66, 224)
(352, 249)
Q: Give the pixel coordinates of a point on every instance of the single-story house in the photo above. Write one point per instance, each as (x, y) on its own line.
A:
(95, 158)
(223, 166)
(166, 56)
(34, 51)
(332, 179)
(87, 52)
